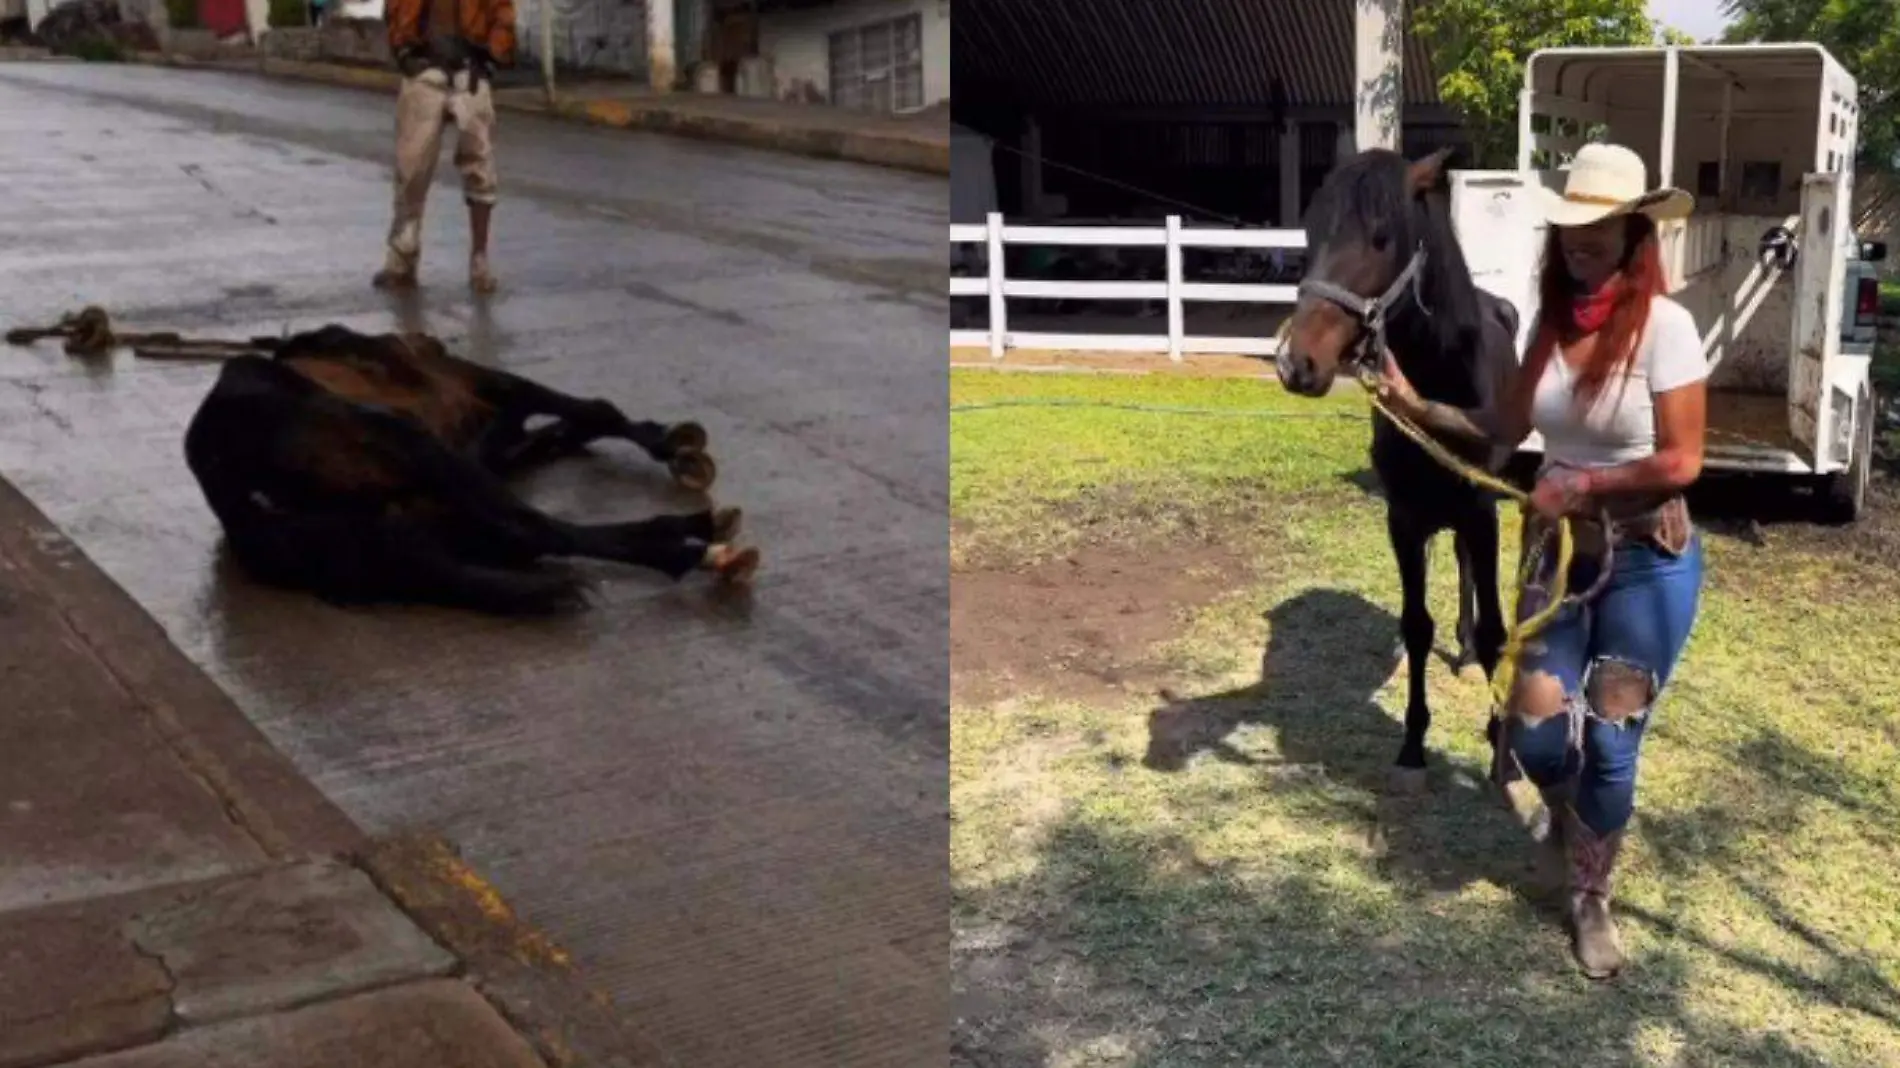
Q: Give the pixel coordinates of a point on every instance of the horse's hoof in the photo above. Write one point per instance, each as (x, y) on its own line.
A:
(693, 469)
(726, 523)
(1405, 782)
(734, 567)
(686, 437)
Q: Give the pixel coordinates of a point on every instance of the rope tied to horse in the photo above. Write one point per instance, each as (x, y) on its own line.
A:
(88, 333)
(1521, 629)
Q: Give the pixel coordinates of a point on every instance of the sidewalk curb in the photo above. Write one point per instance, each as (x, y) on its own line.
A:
(262, 792)
(525, 978)
(901, 153)
(897, 152)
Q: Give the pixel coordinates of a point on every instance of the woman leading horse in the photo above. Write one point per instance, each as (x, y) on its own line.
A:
(1616, 383)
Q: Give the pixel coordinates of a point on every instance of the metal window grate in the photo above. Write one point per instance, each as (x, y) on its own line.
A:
(879, 67)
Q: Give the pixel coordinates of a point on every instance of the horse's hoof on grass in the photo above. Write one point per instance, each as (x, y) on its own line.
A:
(733, 567)
(693, 469)
(726, 523)
(688, 437)
(1405, 782)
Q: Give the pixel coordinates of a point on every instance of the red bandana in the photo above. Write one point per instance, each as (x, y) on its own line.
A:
(1590, 311)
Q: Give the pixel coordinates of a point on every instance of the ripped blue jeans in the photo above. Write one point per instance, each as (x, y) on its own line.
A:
(1612, 655)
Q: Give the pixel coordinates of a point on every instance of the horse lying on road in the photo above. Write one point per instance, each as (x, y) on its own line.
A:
(369, 468)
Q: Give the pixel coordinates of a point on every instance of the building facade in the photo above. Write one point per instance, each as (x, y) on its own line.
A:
(1214, 109)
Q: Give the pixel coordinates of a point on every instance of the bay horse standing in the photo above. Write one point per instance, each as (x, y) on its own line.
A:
(1384, 271)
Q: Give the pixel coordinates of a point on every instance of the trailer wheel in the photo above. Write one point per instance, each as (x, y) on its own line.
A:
(1844, 493)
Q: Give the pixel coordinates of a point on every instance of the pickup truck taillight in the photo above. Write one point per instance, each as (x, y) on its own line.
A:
(1867, 302)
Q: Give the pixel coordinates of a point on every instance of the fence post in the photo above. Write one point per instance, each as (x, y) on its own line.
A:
(999, 313)
(1176, 316)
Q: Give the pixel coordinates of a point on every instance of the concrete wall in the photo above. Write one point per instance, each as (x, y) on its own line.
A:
(337, 41)
(796, 43)
(599, 35)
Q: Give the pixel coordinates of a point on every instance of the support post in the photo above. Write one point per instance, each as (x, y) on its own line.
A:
(1290, 175)
(999, 307)
(1032, 167)
(662, 65)
(1672, 84)
(1379, 87)
(1177, 318)
(547, 50)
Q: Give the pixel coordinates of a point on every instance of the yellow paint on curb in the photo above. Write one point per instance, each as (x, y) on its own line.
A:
(531, 943)
(609, 112)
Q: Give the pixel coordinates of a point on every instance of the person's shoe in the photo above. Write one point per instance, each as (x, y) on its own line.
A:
(1598, 947)
(397, 273)
(480, 278)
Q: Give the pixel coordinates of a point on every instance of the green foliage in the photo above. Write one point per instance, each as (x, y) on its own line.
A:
(288, 14)
(98, 50)
(182, 14)
(1863, 34)
(1478, 48)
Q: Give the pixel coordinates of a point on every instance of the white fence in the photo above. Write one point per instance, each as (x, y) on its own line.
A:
(1174, 290)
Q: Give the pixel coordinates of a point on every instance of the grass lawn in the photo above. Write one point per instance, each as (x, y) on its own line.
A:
(1214, 875)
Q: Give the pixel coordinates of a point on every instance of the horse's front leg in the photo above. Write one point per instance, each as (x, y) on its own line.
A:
(1409, 543)
(579, 422)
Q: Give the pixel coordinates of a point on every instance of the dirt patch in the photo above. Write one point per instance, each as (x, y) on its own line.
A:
(1761, 509)
(1083, 625)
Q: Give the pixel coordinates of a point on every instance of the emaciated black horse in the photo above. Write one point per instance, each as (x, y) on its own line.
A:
(1385, 272)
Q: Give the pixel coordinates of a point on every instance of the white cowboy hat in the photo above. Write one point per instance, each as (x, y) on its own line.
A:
(1605, 180)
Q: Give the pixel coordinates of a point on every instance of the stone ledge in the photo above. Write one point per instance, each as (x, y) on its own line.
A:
(116, 972)
(435, 1024)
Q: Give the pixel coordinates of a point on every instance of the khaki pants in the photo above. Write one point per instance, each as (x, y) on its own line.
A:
(425, 104)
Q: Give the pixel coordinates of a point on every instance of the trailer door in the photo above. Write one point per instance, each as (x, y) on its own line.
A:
(1502, 235)
(1820, 284)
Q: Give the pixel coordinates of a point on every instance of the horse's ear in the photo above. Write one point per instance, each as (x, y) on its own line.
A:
(1428, 174)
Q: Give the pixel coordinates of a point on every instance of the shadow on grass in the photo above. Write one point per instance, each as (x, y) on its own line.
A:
(1388, 931)
(1327, 656)
(1123, 948)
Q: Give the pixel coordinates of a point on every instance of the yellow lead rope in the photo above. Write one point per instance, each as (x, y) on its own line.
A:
(1518, 632)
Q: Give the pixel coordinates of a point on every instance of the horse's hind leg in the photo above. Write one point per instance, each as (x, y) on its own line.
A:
(670, 544)
(1467, 605)
(478, 515)
(1409, 544)
(1479, 562)
(579, 422)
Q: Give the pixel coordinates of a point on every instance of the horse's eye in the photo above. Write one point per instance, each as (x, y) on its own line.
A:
(1380, 239)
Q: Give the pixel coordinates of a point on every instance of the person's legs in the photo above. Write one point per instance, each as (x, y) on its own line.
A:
(474, 114)
(1643, 621)
(1540, 723)
(420, 112)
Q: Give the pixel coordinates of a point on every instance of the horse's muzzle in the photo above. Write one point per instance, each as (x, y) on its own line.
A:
(1300, 374)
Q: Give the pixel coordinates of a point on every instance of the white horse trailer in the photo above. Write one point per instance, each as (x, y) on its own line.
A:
(1784, 292)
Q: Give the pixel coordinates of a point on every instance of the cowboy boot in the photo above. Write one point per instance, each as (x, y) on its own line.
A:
(1598, 947)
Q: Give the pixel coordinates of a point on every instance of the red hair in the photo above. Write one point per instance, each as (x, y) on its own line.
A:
(1639, 280)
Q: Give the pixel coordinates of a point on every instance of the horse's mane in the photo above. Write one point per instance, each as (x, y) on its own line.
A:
(1374, 187)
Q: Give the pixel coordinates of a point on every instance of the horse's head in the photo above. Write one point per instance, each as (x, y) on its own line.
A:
(1367, 232)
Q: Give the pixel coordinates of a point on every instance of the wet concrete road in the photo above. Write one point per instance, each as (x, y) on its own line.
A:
(734, 815)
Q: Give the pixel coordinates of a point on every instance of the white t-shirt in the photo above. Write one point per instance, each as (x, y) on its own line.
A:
(1621, 425)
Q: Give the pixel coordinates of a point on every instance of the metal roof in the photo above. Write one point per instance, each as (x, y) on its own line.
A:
(1167, 53)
